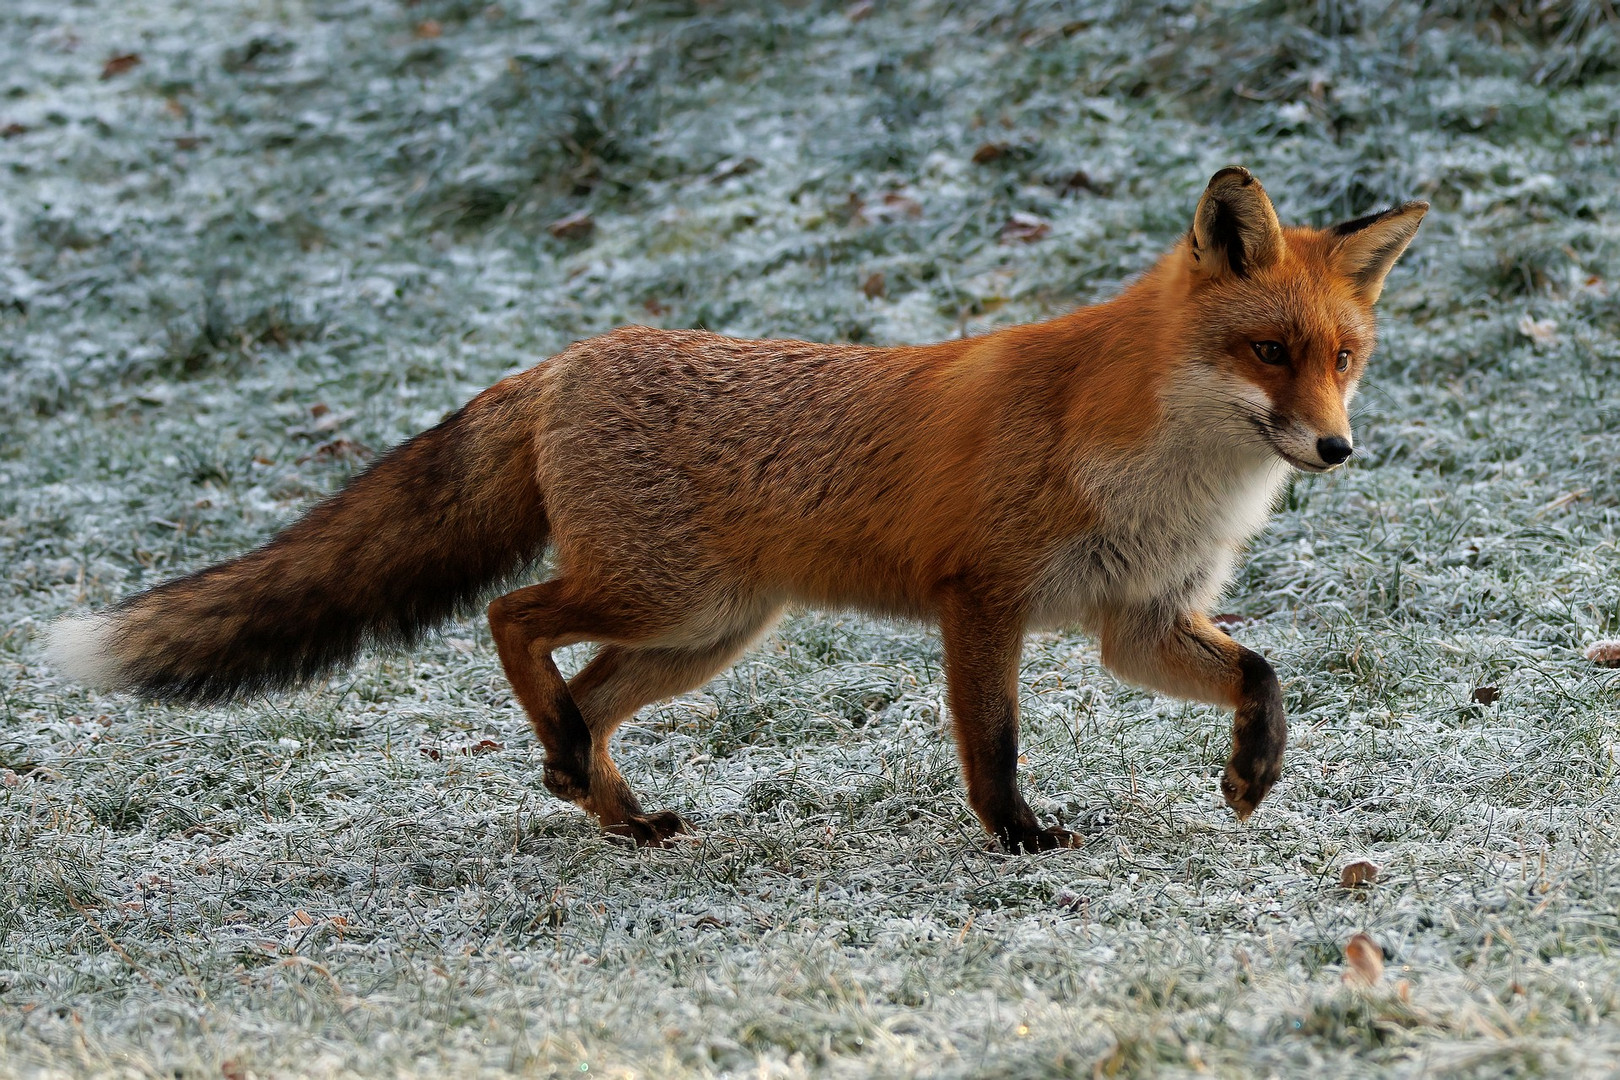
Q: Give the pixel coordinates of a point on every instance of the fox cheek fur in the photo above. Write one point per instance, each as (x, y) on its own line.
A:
(1102, 469)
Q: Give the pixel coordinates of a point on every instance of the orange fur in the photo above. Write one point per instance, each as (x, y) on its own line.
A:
(1100, 469)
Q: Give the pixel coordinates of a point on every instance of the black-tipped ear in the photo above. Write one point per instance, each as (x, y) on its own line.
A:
(1365, 249)
(1235, 228)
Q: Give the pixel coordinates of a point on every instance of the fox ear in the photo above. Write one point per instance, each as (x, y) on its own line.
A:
(1366, 248)
(1235, 228)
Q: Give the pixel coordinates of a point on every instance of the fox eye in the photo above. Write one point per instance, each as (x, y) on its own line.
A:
(1344, 359)
(1271, 352)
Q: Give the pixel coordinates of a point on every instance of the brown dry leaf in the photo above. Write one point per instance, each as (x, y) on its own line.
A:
(1486, 695)
(1079, 180)
(12, 130)
(1358, 873)
(1226, 619)
(1604, 653)
(231, 1069)
(989, 152)
(653, 307)
(299, 918)
(429, 28)
(895, 203)
(858, 11)
(117, 65)
(874, 287)
(576, 226)
(1365, 960)
(1025, 228)
(485, 746)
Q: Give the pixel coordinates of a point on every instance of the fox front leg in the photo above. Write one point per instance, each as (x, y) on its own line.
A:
(1186, 655)
(983, 640)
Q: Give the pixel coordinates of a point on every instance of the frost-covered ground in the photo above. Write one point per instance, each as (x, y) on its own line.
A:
(297, 231)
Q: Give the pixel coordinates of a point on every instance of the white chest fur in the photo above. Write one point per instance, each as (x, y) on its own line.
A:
(1171, 522)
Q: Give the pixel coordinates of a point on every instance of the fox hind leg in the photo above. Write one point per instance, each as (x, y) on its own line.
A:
(620, 680)
(574, 720)
(528, 625)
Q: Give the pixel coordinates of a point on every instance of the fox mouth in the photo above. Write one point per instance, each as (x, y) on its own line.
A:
(1298, 463)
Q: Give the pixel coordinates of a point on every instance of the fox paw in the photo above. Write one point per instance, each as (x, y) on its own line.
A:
(649, 830)
(1243, 793)
(1020, 841)
(566, 783)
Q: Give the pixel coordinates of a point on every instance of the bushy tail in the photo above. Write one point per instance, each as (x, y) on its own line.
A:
(408, 542)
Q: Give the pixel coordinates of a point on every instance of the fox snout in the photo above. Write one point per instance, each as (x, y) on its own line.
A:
(1308, 446)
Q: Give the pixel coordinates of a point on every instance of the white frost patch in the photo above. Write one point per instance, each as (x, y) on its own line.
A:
(80, 646)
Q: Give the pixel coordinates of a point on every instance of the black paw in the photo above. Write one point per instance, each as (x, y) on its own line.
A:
(1022, 841)
(649, 830)
(1244, 792)
(1259, 737)
(565, 782)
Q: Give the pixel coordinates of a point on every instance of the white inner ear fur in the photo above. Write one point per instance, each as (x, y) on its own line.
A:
(1367, 255)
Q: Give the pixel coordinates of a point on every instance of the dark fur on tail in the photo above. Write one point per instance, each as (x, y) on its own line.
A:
(416, 537)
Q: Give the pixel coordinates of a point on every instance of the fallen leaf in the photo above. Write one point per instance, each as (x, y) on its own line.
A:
(874, 287)
(895, 203)
(653, 307)
(1079, 180)
(337, 450)
(1358, 873)
(117, 65)
(989, 152)
(431, 752)
(858, 11)
(1366, 961)
(429, 28)
(1025, 228)
(1604, 653)
(231, 1069)
(1228, 618)
(299, 918)
(1486, 695)
(484, 746)
(576, 226)
(1540, 331)
(12, 130)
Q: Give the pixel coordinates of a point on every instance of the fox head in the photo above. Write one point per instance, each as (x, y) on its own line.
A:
(1280, 319)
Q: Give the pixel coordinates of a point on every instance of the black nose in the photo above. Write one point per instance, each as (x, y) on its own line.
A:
(1333, 449)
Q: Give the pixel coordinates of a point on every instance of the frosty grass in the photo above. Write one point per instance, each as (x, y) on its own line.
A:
(298, 231)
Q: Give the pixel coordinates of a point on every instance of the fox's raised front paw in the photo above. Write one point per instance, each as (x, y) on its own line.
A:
(1244, 792)
(649, 830)
(1021, 841)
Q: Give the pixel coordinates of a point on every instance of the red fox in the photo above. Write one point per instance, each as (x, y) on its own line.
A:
(1102, 469)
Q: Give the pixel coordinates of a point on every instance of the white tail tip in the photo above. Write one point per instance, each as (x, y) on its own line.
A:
(80, 646)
